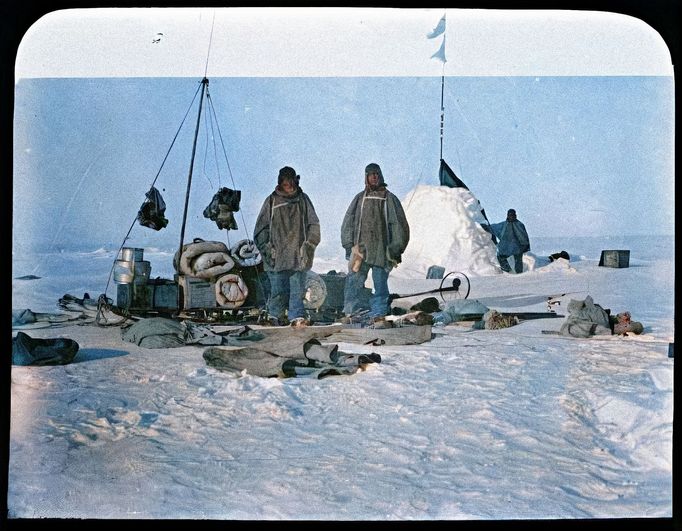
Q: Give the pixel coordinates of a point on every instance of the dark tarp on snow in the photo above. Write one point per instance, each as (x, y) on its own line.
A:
(27, 350)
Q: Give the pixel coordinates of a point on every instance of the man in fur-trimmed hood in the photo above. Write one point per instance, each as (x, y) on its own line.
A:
(375, 228)
(287, 233)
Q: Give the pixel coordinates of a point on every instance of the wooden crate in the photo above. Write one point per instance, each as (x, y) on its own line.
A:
(197, 292)
(156, 294)
(615, 258)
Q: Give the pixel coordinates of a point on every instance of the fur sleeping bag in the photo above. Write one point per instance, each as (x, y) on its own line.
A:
(203, 259)
(231, 291)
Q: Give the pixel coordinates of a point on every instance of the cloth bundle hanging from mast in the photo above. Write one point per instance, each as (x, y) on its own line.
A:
(222, 207)
(151, 213)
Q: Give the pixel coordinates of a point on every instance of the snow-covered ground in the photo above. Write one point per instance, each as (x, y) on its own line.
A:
(474, 424)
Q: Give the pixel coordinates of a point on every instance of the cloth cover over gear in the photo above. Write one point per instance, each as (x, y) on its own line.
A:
(585, 319)
(161, 332)
(27, 350)
(151, 213)
(222, 207)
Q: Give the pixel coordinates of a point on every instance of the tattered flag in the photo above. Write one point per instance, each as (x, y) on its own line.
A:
(440, 28)
(440, 54)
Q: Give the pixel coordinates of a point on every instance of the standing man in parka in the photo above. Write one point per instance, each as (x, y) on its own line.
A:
(513, 241)
(286, 234)
(374, 228)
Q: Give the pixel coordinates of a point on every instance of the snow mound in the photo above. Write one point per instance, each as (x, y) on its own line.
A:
(445, 230)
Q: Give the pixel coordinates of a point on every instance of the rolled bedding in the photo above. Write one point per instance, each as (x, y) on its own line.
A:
(246, 254)
(231, 291)
(204, 259)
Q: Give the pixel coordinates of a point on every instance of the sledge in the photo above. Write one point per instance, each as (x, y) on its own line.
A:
(522, 316)
(636, 338)
(525, 316)
(401, 335)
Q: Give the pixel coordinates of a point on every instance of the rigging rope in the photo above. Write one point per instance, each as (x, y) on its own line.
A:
(211, 108)
(113, 265)
(208, 178)
(222, 144)
(213, 118)
(210, 40)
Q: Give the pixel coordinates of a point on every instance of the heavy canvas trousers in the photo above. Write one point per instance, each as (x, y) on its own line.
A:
(355, 282)
(287, 290)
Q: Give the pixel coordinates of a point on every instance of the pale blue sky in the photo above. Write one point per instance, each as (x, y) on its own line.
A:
(574, 154)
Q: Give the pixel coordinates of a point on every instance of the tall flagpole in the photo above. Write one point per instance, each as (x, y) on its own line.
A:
(442, 111)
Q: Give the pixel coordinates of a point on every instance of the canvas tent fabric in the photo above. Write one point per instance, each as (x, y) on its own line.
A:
(447, 177)
(160, 332)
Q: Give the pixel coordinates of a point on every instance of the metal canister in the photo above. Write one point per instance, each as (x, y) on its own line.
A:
(141, 271)
(124, 271)
(132, 254)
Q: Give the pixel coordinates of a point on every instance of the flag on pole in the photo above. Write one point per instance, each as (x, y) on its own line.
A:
(439, 29)
(440, 54)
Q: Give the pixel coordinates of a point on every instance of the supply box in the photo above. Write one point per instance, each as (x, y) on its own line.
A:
(615, 258)
(197, 292)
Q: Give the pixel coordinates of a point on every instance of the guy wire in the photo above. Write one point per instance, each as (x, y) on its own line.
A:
(210, 40)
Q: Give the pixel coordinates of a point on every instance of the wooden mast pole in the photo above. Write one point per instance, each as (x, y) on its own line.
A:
(204, 84)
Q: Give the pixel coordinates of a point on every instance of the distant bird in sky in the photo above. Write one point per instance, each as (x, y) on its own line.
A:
(157, 38)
